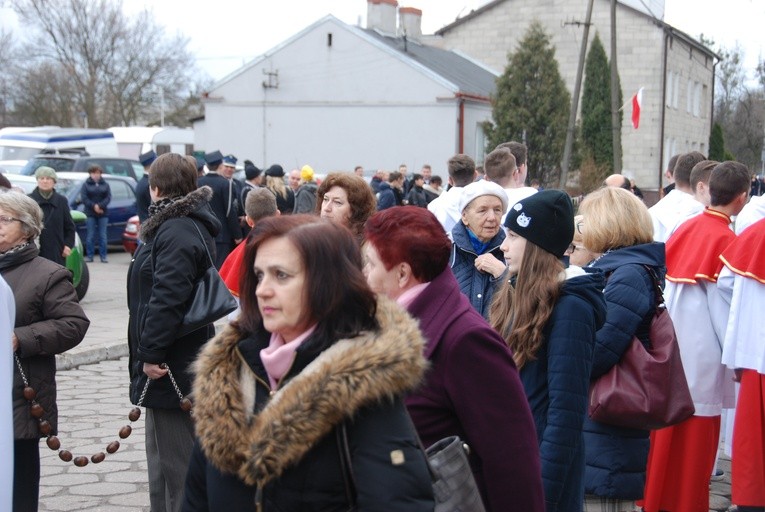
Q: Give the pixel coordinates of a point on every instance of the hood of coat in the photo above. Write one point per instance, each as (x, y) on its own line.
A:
(195, 204)
(643, 254)
(351, 374)
(589, 288)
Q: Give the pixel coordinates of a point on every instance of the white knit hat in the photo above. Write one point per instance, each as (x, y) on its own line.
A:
(482, 188)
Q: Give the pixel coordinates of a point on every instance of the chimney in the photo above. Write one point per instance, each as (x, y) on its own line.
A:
(381, 15)
(410, 22)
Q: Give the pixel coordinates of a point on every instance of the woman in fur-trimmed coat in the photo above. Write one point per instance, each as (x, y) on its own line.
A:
(299, 404)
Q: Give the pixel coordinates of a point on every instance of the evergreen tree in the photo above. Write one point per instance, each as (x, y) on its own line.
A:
(717, 143)
(597, 133)
(532, 105)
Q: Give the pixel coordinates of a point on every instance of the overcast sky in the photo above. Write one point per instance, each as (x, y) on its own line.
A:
(225, 34)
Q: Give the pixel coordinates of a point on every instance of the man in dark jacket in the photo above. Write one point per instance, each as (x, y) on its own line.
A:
(416, 196)
(96, 196)
(224, 207)
(390, 192)
(57, 237)
(142, 195)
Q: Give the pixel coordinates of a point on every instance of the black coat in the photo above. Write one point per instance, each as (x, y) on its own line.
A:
(224, 206)
(58, 226)
(143, 198)
(160, 282)
(95, 193)
(289, 443)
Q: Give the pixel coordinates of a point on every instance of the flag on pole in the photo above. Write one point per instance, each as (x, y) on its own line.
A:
(637, 101)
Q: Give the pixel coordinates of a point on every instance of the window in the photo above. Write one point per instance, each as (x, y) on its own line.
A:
(696, 99)
(676, 90)
(480, 144)
(670, 87)
(689, 97)
(121, 190)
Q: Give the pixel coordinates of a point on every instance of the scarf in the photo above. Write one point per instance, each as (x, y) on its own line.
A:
(478, 246)
(160, 204)
(14, 249)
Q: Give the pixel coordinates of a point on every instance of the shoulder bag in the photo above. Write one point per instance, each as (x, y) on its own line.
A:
(647, 388)
(454, 487)
(210, 299)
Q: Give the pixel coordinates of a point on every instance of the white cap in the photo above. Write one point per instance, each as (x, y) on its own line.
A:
(482, 188)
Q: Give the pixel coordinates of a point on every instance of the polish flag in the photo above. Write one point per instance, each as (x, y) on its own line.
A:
(637, 101)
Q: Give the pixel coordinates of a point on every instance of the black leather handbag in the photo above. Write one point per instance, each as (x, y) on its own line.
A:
(210, 299)
(454, 487)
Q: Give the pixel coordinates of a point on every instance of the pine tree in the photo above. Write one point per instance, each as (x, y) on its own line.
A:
(597, 135)
(716, 143)
(532, 105)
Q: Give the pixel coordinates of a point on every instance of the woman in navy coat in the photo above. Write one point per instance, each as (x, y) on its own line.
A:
(617, 225)
(549, 315)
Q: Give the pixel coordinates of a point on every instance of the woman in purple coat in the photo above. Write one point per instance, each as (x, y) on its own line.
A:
(472, 389)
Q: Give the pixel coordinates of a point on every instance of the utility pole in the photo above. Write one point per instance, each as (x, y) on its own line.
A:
(615, 125)
(575, 100)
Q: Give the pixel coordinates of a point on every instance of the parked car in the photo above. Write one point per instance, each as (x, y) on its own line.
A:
(68, 162)
(75, 262)
(69, 184)
(130, 235)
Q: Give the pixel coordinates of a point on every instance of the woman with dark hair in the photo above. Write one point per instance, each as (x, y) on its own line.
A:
(48, 321)
(548, 315)
(346, 199)
(299, 403)
(178, 245)
(617, 227)
(96, 196)
(472, 388)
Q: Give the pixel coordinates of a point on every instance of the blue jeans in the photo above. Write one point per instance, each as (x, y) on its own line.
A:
(94, 223)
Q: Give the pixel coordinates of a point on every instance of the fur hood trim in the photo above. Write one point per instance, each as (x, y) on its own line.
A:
(351, 374)
(181, 208)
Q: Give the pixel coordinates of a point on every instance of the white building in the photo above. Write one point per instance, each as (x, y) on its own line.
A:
(335, 96)
(675, 71)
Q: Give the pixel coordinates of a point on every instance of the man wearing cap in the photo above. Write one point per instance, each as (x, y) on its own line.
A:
(477, 261)
(305, 197)
(223, 204)
(57, 237)
(142, 195)
(228, 169)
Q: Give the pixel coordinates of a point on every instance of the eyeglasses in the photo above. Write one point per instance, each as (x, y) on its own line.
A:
(580, 227)
(5, 220)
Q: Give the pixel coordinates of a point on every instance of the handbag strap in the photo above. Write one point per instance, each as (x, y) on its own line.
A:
(346, 466)
(207, 250)
(658, 293)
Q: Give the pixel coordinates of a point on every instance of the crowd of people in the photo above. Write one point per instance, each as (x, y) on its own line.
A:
(378, 317)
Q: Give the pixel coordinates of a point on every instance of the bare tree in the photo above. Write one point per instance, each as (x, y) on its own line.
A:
(46, 98)
(114, 61)
(748, 123)
(730, 78)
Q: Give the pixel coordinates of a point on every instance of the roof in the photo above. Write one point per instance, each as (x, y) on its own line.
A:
(665, 26)
(453, 69)
(470, 77)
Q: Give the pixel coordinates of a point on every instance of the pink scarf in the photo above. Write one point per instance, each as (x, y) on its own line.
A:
(278, 356)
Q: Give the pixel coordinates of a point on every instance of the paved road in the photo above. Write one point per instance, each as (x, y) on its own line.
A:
(93, 406)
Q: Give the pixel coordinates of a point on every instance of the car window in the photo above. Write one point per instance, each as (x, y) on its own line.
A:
(116, 167)
(120, 190)
(138, 170)
(58, 164)
(64, 185)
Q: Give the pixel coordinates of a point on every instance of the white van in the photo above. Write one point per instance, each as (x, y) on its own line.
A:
(24, 143)
(133, 141)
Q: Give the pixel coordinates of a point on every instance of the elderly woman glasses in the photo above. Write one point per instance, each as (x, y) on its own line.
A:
(300, 401)
(49, 321)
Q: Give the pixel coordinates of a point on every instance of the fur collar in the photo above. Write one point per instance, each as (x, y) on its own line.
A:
(181, 208)
(349, 375)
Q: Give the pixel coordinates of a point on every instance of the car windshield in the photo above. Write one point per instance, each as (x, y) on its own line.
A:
(64, 185)
(17, 153)
(58, 164)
